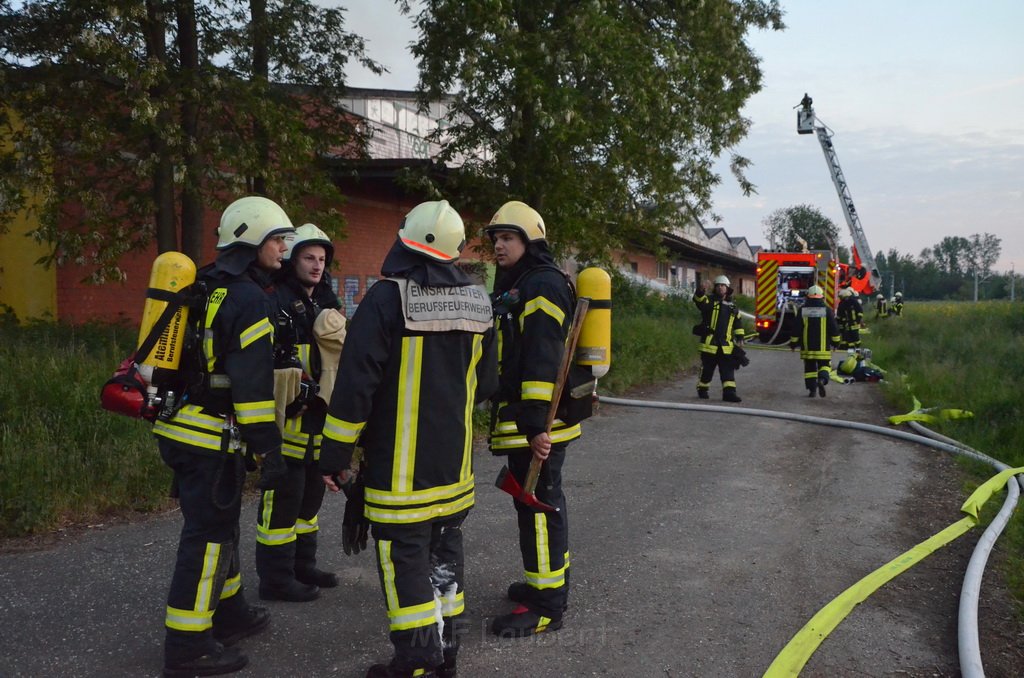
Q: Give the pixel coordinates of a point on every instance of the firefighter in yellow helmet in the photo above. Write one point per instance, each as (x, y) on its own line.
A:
(534, 306)
(818, 334)
(419, 355)
(850, 317)
(720, 334)
(230, 403)
(287, 526)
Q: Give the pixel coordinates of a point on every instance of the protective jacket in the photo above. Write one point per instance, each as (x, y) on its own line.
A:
(850, 313)
(233, 369)
(302, 434)
(397, 396)
(897, 307)
(719, 326)
(819, 331)
(534, 310)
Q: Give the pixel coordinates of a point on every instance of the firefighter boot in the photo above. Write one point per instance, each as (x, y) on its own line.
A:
(235, 619)
(522, 622)
(822, 380)
(275, 566)
(216, 662)
(729, 395)
(702, 393)
(305, 563)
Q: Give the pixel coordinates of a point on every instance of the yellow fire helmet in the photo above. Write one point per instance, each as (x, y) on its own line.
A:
(435, 230)
(250, 221)
(722, 280)
(518, 216)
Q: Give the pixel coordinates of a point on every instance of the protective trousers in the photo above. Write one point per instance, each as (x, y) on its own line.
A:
(851, 336)
(206, 587)
(287, 526)
(544, 535)
(421, 575)
(726, 370)
(814, 370)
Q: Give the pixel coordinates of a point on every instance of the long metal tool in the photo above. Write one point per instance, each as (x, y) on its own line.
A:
(527, 492)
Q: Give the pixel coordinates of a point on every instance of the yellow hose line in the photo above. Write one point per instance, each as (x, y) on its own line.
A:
(791, 660)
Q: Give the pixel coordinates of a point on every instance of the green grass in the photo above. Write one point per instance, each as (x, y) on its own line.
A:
(967, 356)
(62, 457)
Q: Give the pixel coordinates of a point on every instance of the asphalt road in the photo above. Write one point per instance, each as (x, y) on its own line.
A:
(701, 543)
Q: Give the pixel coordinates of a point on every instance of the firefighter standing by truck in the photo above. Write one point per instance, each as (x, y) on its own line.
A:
(287, 526)
(850, 316)
(229, 408)
(534, 307)
(418, 357)
(818, 333)
(720, 334)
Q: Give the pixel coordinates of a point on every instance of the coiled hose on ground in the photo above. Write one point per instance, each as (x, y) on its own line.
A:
(967, 622)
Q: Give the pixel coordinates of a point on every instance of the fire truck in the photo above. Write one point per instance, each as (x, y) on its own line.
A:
(862, 275)
(780, 289)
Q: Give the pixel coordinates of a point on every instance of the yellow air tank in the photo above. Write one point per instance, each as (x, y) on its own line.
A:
(172, 272)
(595, 343)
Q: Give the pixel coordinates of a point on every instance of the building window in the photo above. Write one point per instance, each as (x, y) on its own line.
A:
(633, 267)
(351, 291)
(662, 270)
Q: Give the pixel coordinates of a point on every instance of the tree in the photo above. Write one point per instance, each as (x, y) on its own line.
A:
(949, 255)
(132, 116)
(784, 228)
(982, 252)
(604, 116)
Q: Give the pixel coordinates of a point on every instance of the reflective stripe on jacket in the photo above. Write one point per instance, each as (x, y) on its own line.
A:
(531, 340)
(238, 343)
(408, 399)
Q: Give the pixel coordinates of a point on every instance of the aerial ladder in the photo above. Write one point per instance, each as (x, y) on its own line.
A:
(863, 276)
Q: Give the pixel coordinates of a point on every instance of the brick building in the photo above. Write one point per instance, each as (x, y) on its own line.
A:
(374, 207)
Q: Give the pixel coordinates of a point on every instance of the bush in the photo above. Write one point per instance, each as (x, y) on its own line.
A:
(62, 457)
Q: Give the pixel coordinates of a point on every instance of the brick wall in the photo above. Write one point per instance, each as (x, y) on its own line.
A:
(373, 213)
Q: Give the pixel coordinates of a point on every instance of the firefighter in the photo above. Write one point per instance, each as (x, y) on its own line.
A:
(720, 333)
(850, 316)
(419, 355)
(534, 307)
(897, 304)
(818, 333)
(229, 406)
(287, 526)
(881, 307)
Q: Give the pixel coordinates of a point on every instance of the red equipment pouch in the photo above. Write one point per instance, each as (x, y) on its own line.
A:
(125, 392)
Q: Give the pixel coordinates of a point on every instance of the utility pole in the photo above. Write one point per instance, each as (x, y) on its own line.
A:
(1013, 282)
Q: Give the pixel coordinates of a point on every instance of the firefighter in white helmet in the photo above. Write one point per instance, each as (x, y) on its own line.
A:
(230, 404)
(897, 304)
(850, 317)
(287, 526)
(419, 355)
(818, 334)
(881, 306)
(720, 333)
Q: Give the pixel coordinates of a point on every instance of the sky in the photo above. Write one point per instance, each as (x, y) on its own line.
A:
(925, 99)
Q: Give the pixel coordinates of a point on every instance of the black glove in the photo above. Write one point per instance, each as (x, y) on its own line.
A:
(273, 471)
(308, 391)
(354, 526)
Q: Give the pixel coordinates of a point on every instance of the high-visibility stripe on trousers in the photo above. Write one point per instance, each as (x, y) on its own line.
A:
(544, 535)
(421, 575)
